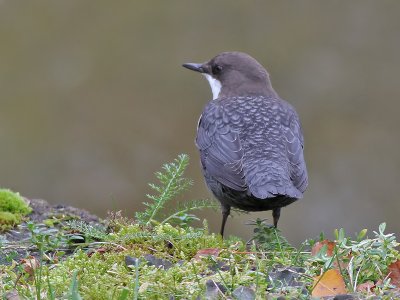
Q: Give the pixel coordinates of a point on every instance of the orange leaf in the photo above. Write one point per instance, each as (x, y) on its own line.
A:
(331, 284)
(207, 252)
(394, 273)
(318, 246)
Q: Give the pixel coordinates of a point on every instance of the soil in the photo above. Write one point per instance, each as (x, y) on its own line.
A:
(16, 244)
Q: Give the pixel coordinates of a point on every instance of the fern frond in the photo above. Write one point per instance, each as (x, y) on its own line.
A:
(171, 184)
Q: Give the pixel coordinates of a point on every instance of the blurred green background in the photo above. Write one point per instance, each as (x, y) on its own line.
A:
(93, 99)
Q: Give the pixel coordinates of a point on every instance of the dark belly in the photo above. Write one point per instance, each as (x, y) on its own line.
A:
(245, 201)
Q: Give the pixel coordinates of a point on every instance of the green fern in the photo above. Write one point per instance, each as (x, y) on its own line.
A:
(172, 183)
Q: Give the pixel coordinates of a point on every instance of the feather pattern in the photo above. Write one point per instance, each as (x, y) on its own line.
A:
(251, 151)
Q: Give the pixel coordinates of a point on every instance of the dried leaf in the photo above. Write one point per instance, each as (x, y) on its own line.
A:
(318, 246)
(100, 250)
(394, 273)
(366, 287)
(330, 284)
(30, 264)
(207, 252)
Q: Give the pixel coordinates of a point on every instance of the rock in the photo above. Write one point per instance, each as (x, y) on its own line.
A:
(244, 293)
(157, 262)
(343, 297)
(130, 261)
(220, 266)
(286, 277)
(214, 290)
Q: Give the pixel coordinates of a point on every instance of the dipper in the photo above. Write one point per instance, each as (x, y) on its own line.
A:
(250, 140)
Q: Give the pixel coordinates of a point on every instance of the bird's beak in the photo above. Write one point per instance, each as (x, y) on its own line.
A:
(194, 67)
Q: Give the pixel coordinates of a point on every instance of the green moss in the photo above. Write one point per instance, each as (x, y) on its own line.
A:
(186, 241)
(106, 276)
(8, 220)
(12, 209)
(13, 203)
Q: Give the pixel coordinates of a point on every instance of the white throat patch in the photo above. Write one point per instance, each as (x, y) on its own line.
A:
(214, 84)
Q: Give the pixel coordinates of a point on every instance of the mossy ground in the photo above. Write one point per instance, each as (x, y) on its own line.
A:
(103, 272)
(12, 209)
(158, 256)
(106, 269)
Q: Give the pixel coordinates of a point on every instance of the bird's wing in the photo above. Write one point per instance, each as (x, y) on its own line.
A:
(295, 145)
(220, 148)
(274, 163)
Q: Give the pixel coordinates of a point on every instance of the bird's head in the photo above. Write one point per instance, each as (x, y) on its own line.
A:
(234, 74)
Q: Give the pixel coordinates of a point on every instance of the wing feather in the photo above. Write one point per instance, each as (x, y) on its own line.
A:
(295, 145)
(267, 161)
(220, 148)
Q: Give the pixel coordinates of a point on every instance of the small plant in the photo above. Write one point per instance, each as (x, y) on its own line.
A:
(267, 237)
(172, 183)
(368, 259)
(45, 240)
(361, 260)
(158, 255)
(90, 232)
(73, 289)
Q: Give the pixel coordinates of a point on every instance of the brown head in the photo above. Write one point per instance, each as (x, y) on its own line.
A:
(235, 74)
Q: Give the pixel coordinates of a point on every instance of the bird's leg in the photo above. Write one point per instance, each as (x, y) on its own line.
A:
(276, 213)
(226, 210)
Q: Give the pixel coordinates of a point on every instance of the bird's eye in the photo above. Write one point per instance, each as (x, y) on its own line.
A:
(216, 69)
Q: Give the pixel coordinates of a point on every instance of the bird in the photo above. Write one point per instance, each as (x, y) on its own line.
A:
(250, 140)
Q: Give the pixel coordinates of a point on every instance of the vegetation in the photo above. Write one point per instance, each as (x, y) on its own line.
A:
(12, 209)
(158, 255)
